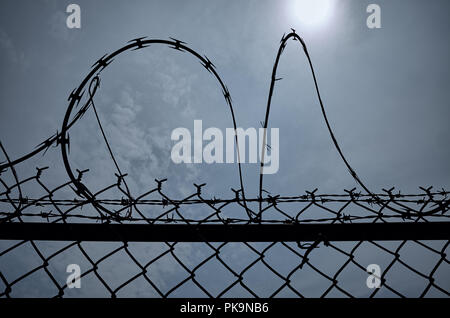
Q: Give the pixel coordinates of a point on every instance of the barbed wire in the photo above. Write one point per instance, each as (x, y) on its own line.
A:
(196, 211)
(117, 208)
(338, 208)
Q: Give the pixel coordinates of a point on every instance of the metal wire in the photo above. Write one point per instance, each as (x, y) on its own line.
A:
(285, 264)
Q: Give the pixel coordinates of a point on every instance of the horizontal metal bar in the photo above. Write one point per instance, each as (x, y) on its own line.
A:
(225, 233)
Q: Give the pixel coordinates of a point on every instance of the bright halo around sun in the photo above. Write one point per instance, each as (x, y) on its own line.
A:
(312, 12)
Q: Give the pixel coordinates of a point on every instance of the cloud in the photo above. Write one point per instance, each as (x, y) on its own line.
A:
(13, 54)
(58, 28)
(139, 109)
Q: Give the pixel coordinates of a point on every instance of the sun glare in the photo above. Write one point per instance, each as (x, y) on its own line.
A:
(312, 12)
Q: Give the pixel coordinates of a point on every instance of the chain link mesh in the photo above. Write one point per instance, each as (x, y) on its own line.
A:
(410, 268)
(207, 269)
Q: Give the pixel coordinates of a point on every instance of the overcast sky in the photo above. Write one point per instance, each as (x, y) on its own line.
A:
(385, 91)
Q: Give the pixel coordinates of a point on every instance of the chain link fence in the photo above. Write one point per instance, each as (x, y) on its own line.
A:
(155, 245)
(316, 268)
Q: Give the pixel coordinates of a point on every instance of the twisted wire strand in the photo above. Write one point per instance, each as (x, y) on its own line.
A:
(352, 172)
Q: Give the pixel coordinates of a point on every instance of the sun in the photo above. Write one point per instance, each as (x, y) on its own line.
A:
(312, 12)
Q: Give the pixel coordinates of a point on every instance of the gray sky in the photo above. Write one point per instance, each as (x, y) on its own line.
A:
(385, 91)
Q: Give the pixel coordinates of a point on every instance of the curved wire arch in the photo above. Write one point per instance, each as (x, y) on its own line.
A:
(352, 172)
(61, 138)
(100, 65)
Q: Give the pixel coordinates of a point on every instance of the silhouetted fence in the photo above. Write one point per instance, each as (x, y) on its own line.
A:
(155, 245)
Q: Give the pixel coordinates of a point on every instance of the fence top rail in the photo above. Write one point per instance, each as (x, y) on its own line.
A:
(226, 233)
